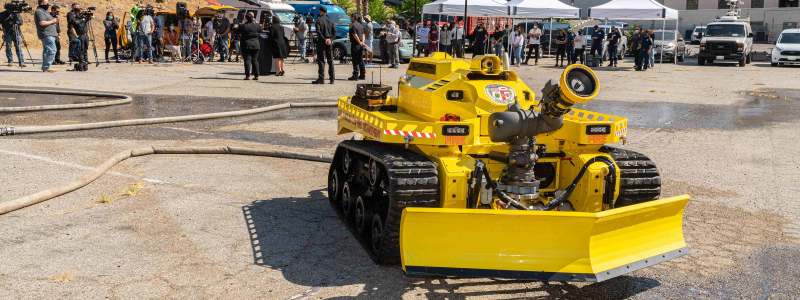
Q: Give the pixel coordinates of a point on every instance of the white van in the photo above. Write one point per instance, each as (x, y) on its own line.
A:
(264, 10)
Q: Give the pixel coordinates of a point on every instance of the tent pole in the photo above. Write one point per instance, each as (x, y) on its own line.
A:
(466, 29)
(663, 37)
(414, 35)
(550, 37)
(676, 45)
(439, 32)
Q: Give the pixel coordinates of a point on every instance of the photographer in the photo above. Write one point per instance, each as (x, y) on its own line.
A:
(111, 24)
(46, 30)
(10, 20)
(77, 23)
(300, 30)
(222, 27)
(54, 11)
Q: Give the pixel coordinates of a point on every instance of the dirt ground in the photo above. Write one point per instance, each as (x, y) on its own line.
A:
(211, 226)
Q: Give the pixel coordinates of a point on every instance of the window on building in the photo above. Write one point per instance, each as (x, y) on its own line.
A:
(691, 4)
(788, 3)
(722, 4)
(757, 4)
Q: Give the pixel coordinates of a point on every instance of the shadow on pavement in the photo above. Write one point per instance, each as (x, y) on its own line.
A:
(304, 239)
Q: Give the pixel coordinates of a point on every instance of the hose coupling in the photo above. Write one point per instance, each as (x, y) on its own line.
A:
(6, 131)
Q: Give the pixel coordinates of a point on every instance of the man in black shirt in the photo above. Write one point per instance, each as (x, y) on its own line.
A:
(597, 41)
(77, 32)
(613, 43)
(223, 27)
(324, 43)
(10, 22)
(357, 48)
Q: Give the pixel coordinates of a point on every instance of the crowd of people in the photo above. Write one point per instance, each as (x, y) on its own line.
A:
(568, 46)
(219, 38)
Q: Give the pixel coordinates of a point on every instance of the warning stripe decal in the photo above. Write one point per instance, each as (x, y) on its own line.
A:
(416, 134)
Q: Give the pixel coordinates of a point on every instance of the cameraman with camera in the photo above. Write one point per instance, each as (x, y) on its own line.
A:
(300, 31)
(46, 30)
(77, 23)
(11, 21)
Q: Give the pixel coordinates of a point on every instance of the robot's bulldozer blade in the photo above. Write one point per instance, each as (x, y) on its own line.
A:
(541, 245)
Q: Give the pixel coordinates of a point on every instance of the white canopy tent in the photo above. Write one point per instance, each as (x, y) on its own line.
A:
(636, 10)
(541, 9)
(633, 10)
(475, 8)
(529, 9)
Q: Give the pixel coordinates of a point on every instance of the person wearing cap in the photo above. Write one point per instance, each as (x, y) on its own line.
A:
(324, 44)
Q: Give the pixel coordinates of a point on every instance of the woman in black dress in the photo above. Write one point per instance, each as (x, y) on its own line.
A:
(248, 34)
(280, 47)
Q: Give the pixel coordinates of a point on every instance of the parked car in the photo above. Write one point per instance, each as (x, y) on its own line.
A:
(670, 44)
(787, 48)
(697, 34)
(341, 47)
(728, 39)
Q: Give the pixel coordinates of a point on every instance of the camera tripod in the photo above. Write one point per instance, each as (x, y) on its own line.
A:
(91, 40)
(20, 37)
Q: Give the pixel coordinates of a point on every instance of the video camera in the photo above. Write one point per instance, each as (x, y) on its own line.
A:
(17, 6)
(88, 13)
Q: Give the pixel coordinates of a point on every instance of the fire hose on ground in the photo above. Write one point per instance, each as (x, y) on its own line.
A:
(118, 99)
(38, 197)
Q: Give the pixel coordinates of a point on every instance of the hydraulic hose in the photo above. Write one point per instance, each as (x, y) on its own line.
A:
(25, 201)
(611, 182)
(12, 130)
(117, 99)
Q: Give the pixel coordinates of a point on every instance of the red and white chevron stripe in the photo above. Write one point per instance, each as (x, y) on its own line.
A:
(416, 134)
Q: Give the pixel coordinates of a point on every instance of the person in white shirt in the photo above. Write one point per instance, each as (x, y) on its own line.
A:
(517, 45)
(392, 41)
(579, 45)
(534, 42)
(457, 40)
(147, 26)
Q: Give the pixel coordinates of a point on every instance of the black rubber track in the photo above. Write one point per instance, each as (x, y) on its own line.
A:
(639, 178)
(412, 181)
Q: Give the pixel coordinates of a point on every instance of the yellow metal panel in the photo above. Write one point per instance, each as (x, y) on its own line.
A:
(541, 241)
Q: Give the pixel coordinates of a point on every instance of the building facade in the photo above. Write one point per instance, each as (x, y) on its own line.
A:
(767, 17)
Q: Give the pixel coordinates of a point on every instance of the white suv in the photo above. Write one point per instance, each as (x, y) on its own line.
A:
(787, 48)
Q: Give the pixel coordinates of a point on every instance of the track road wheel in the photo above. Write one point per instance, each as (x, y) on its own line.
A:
(348, 200)
(377, 236)
(335, 185)
(361, 216)
(347, 163)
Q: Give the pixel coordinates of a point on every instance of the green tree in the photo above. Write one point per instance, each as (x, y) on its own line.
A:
(348, 5)
(379, 11)
(407, 10)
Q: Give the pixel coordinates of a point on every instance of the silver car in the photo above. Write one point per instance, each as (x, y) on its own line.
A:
(670, 44)
(341, 47)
